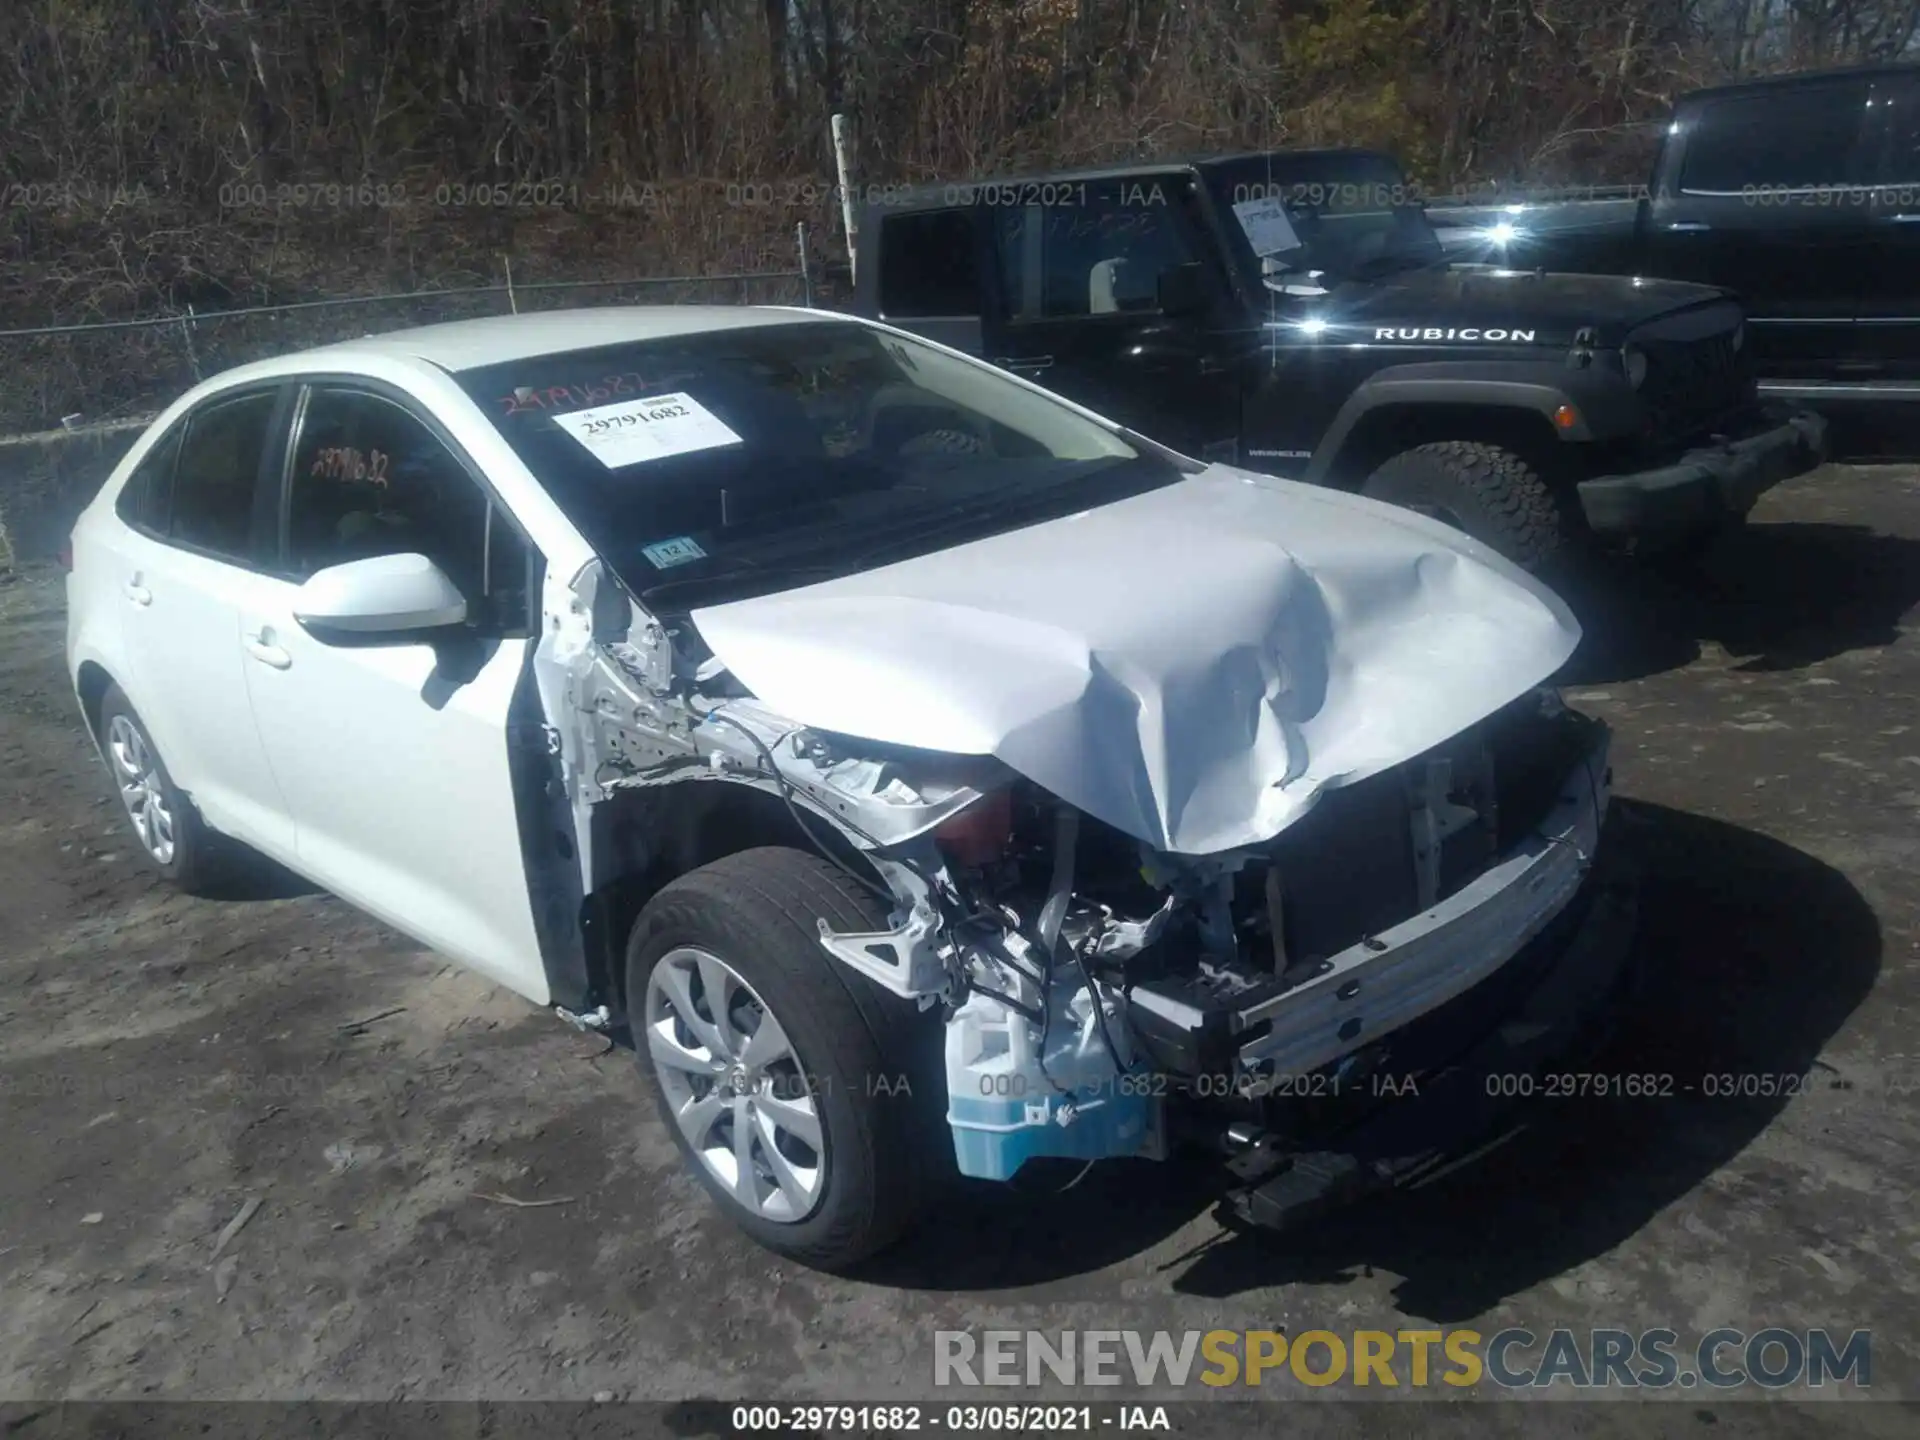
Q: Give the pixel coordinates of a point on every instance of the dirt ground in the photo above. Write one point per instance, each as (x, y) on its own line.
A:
(165, 1062)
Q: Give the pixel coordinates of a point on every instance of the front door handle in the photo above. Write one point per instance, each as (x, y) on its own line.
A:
(1025, 362)
(261, 647)
(1687, 227)
(138, 593)
(1905, 217)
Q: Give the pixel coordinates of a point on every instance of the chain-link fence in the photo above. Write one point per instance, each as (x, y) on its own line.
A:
(62, 376)
(73, 397)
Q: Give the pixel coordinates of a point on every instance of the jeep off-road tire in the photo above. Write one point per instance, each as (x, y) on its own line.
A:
(172, 837)
(1489, 492)
(861, 1072)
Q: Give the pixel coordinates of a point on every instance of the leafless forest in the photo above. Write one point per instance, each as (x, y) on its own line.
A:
(164, 153)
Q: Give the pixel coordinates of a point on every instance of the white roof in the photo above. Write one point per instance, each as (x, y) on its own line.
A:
(469, 344)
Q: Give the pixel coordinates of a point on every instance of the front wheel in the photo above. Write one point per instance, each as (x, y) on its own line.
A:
(798, 1093)
(1489, 492)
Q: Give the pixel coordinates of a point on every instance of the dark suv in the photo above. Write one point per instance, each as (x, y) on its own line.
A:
(1295, 313)
(1799, 192)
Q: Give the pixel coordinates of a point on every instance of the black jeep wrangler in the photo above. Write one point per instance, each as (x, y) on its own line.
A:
(1295, 313)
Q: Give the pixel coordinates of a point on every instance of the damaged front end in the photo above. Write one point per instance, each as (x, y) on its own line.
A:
(1107, 999)
(1104, 998)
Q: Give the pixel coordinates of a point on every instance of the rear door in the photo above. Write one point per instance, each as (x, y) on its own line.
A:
(393, 754)
(1889, 313)
(199, 532)
(1078, 273)
(931, 275)
(1763, 193)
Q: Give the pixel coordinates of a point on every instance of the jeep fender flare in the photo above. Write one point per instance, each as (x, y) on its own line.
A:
(1603, 408)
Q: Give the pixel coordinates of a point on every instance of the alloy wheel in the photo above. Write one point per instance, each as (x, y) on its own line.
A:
(735, 1085)
(141, 789)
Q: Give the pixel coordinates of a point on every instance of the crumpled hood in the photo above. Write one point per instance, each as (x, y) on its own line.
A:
(1193, 665)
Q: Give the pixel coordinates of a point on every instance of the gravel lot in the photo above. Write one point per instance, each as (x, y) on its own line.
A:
(163, 1061)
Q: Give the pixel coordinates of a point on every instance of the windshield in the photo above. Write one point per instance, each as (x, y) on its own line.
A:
(729, 463)
(1304, 220)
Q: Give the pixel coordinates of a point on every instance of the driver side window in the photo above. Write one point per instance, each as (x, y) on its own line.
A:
(369, 478)
(1100, 250)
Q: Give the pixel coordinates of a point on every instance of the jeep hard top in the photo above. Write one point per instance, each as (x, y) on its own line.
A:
(1295, 313)
(1801, 193)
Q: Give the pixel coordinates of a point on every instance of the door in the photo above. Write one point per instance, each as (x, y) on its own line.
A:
(1763, 196)
(930, 279)
(199, 532)
(1888, 321)
(1080, 282)
(393, 755)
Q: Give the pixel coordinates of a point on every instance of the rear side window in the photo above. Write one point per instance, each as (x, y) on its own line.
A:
(928, 265)
(1898, 101)
(1770, 142)
(217, 475)
(144, 499)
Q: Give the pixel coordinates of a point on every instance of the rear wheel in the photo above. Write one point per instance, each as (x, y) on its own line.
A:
(1489, 492)
(799, 1094)
(175, 840)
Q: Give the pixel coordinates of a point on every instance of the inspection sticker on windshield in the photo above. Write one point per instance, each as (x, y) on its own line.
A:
(680, 550)
(1267, 227)
(635, 431)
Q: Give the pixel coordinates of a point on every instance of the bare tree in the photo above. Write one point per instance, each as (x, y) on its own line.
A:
(201, 101)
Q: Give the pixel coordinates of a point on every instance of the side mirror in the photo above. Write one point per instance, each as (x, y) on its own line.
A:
(384, 595)
(1182, 290)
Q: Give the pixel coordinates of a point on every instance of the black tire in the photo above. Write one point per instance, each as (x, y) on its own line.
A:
(1489, 492)
(856, 1044)
(201, 860)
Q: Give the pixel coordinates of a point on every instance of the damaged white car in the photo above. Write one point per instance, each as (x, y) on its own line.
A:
(921, 771)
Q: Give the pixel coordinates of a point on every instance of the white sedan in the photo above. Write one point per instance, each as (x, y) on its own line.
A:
(922, 772)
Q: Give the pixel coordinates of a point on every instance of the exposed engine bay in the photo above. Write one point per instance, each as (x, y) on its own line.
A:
(1086, 977)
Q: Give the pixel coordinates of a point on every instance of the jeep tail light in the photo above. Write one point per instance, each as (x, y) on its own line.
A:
(65, 554)
(979, 834)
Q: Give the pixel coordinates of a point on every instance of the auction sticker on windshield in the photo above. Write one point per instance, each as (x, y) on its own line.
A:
(652, 428)
(1268, 229)
(680, 550)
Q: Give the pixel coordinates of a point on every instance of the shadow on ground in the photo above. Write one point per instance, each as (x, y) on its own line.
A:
(1872, 432)
(1775, 597)
(247, 875)
(1755, 953)
(240, 875)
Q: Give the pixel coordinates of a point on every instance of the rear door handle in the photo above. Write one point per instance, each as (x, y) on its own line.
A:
(1687, 227)
(1025, 362)
(261, 647)
(138, 593)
